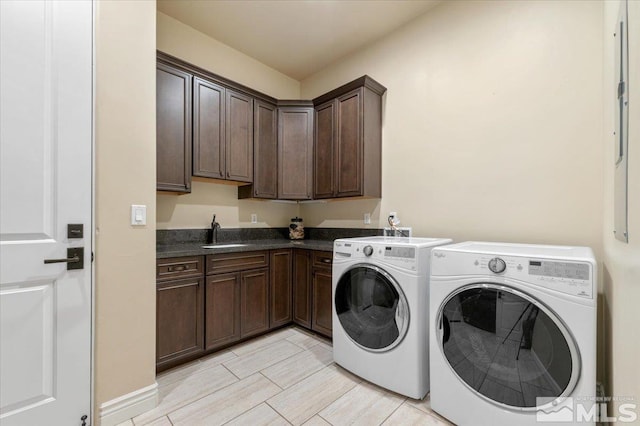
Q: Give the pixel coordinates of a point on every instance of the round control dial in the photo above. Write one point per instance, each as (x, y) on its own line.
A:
(497, 265)
(367, 250)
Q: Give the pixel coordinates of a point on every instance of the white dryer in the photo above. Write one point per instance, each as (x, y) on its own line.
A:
(380, 312)
(511, 323)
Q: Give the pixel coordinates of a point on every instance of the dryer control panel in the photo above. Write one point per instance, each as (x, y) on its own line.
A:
(570, 277)
(553, 269)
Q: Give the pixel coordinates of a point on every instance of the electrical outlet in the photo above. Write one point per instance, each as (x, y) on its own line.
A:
(254, 218)
(367, 218)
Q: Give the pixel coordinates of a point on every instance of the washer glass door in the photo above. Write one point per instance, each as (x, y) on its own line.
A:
(507, 346)
(371, 307)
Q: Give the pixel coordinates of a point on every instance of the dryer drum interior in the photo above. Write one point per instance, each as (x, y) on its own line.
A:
(507, 346)
(371, 308)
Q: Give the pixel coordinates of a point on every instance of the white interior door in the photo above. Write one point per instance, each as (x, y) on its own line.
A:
(45, 184)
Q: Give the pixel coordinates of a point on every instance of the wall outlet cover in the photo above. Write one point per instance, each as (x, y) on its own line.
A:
(138, 215)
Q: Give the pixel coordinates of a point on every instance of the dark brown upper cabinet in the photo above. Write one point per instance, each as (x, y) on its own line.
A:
(265, 153)
(208, 130)
(222, 132)
(173, 129)
(291, 150)
(348, 141)
(295, 151)
(239, 136)
(323, 152)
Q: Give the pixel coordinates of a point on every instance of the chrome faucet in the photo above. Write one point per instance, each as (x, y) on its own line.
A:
(213, 233)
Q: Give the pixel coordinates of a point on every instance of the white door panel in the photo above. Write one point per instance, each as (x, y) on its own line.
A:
(45, 184)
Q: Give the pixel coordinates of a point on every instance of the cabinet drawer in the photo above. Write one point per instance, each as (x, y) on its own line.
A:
(322, 259)
(232, 262)
(179, 267)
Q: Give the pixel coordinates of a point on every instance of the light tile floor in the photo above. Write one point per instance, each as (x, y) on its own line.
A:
(284, 378)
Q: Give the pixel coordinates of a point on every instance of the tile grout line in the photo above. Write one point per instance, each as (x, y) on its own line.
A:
(232, 373)
(337, 398)
(263, 337)
(391, 414)
(279, 413)
(198, 399)
(301, 350)
(277, 385)
(320, 415)
(263, 347)
(301, 347)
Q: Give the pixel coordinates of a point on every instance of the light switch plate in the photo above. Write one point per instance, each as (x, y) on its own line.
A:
(254, 218)
(138, 215)
(367, 218)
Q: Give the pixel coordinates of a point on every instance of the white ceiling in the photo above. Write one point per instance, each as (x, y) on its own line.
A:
(296, 37)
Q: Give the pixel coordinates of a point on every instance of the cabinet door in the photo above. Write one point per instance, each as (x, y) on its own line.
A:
(239, 136)
(280, 283)
(302, 288)
(179, 321)
(265, 139)
(173, 129)
(323, 151)
(295, 158)
(322, 301)
(254, 313)
(208, 130)
(222, 310)
(348, 165)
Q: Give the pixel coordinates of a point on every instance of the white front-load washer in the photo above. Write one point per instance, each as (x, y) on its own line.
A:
(513, 334)
(380, 310)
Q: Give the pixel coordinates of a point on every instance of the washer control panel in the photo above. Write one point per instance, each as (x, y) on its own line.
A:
(399, 255)
(399, 251)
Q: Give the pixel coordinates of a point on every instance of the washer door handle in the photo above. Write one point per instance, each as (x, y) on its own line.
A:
(400, 314)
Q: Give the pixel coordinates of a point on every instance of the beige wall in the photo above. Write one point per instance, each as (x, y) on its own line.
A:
(125, 175)
(492, 123)
(195, 210)
(622, 261)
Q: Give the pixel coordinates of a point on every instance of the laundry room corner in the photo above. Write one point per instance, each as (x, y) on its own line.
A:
(621, 271)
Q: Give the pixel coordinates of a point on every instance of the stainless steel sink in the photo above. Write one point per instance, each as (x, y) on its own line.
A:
(214, 246)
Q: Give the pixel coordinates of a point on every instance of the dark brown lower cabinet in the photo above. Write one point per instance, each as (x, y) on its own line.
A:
(237, 297)
(240, 295)
(179, 321)
(322, 301)
(312, 300)
(302, 288)
(280, 285)
(254, 302)
(222, 310)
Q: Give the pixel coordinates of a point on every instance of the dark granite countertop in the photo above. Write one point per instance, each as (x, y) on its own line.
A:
(195, 249)
(189, 242)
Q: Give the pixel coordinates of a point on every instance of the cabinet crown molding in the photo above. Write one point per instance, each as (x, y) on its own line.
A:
(364, 81)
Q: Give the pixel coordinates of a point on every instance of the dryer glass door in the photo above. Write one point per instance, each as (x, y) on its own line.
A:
(371, 308)
(507, 346)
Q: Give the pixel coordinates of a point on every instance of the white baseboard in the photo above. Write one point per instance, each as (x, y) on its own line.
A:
(124, 407)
